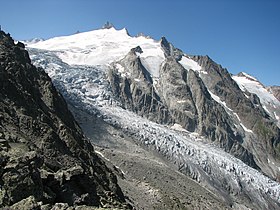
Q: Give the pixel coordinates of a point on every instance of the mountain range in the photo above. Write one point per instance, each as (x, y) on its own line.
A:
(177, 128)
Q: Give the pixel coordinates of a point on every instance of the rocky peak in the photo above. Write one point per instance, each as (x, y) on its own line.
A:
(137, 49)
(170, 50)
(107, 25)
(249, 77)
(132, 64)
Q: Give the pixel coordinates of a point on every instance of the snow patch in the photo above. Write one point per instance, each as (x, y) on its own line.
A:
(255, 87)
(102, 155)
(181, 101)
(217, 99)
(178, 127)
(276, 116)
(242, 125)
(246, 129)
(188, 64)
(269, 103)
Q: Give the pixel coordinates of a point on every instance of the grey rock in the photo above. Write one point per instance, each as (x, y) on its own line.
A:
(179, 97)
(170, 50)
(137, 92)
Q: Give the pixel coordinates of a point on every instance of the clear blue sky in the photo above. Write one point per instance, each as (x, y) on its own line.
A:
(241, 35)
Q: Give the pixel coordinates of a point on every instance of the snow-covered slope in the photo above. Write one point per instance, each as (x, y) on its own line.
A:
(270, 104)
(102, 47)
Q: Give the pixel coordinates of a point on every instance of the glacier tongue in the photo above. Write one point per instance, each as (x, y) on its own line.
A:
(86, 87)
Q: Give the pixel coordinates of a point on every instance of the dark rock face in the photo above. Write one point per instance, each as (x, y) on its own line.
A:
(43, 151)
(183, 96)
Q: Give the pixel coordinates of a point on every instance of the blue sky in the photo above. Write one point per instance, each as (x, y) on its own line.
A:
(241, 35)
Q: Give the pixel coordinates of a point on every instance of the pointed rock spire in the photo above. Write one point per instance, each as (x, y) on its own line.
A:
(107, 25)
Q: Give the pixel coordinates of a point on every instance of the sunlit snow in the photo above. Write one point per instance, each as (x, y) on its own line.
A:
(188, 64)
(102, 47)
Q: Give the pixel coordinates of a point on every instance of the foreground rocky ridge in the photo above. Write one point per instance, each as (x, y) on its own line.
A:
(45, 158)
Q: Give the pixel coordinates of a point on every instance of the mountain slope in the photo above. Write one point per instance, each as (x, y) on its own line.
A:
(45, 159)
(108, 74)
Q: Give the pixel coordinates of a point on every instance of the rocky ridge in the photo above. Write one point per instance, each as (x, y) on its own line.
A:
(46, 161)
(186, 97)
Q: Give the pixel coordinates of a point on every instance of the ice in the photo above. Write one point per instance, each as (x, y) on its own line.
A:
(188, 64)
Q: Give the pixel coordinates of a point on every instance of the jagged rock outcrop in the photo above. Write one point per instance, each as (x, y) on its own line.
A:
(44, 156)
(136, 91)
(170, 50)
(107, 25)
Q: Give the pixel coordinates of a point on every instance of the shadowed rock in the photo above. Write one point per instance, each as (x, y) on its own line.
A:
(44, 156)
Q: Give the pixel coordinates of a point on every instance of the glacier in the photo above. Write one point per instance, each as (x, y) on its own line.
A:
(78, 69)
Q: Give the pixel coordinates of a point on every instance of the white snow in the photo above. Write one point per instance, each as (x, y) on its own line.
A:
(102, 47)
(217, 99)
(98, 152)
(253, 86)
(242, 125)
(270, 104)
(246, 129)
(276, 116)
(181, 101)
(249, 76)
(188, 64)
